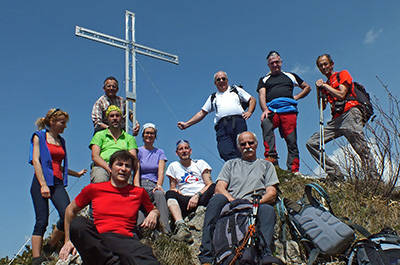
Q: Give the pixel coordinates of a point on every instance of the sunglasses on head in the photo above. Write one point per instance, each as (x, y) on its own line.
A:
(181, 141)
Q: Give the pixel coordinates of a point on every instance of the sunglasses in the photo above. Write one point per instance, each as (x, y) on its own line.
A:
(221, 79)
(243, 144)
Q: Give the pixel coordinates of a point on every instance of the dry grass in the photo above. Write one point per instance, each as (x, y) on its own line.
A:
(372, 212)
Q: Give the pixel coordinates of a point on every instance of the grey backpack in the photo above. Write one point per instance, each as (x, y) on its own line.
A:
(315, 227)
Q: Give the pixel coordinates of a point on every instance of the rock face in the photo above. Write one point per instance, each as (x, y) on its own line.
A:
(195, 222)
(72, 260)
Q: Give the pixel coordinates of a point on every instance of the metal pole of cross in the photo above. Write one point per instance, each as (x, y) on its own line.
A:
(131, 48)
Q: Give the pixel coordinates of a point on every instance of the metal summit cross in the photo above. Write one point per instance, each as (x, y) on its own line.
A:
(131, 48)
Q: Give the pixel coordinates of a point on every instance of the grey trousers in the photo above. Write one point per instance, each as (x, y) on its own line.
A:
(98, 174)
(351, 126)
(158, 198)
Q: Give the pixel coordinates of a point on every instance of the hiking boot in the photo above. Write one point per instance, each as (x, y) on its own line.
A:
(38, 260)
(300, 175)
(273, 160)
(267, 259)
(49, 249)
(182, 233)
(333, 178)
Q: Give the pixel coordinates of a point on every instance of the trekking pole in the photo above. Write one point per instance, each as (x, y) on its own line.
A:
(250, 236)
(253, 218)
(321, 136)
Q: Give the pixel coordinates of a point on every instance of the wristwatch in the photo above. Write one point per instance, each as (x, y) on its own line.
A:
(199, 193)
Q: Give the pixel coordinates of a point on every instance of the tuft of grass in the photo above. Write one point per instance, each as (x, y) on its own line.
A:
(169, 251)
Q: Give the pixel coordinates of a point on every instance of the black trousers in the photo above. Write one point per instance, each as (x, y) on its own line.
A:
(184, 200)
(108, 248)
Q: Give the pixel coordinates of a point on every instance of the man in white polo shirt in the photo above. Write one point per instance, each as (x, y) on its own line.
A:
(230, 117)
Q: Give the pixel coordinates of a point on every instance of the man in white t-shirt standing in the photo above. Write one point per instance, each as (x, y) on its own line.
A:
(190, 186)
(230, 117)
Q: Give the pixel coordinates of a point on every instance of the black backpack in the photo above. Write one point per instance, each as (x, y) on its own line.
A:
(363, 97)
(233, 89)
(382, 248)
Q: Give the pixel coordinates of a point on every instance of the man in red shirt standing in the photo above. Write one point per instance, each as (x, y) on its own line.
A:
(109, 237)
(347, 118)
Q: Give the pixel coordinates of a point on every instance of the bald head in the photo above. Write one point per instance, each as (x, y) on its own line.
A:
(247, 144)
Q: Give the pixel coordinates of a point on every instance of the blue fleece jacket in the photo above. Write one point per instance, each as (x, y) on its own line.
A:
(45, 158)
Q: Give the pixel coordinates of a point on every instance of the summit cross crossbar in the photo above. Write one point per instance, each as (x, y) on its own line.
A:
(131, 48)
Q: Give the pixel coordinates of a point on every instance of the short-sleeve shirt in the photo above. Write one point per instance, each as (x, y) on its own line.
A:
(108, 145)
(190, 178)
(227, 103)
(114, 209)
(148, 160)
(100, 107)
(344, 78)
(245, 177)
(280, 85)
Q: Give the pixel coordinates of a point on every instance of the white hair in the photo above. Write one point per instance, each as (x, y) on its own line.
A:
(237, 138)
(221, 72)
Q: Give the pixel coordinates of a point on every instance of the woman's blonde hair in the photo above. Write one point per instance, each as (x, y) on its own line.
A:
(52, 114)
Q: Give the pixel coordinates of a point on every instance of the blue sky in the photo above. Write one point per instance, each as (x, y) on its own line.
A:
(44, 65)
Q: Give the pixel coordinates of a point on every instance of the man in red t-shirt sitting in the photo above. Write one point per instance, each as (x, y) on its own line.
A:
(109, 237)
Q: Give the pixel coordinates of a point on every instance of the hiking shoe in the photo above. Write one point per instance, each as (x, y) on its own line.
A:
(333, 178)
(38, 260)
(182, 234)
(267, 259)
(49, 249)
(273, 160)
(300, 175)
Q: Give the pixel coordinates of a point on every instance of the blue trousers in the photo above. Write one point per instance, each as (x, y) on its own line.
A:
(59, 198)
(266, 217)
(227, 130)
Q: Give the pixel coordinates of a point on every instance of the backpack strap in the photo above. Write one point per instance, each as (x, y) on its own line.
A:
(213, 104)
(234, 89)
(363, 231)
(313, 201)
(313, 256)
(232, 227)
(282, 206)
(348, 96)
